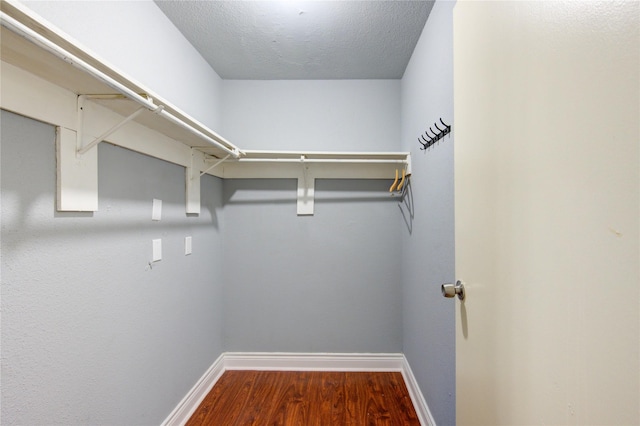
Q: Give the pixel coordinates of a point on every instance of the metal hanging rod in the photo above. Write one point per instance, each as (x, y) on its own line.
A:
(320, 160)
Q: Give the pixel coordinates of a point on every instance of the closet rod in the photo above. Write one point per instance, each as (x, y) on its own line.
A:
(37, 39)
(320, 160)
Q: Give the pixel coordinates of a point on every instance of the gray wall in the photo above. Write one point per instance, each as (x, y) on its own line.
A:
(83, 318)
(326, 283)
(428, 240)
(90, 333)
(315, 115)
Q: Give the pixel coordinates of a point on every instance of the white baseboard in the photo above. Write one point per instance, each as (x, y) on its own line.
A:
(299, 362)
(419, 403)
(312, 361)
(182, 413)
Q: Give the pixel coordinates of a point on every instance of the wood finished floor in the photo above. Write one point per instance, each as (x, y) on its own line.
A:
(306, 398)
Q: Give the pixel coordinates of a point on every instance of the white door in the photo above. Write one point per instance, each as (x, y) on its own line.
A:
(547, 182)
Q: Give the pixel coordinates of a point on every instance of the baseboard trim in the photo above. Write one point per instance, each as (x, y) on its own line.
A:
(312, 361)
(182, 413)
(300, 362)
(419, 403)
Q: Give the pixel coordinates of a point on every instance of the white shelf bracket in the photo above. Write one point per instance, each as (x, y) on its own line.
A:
(306, 190)
(82, 148)
(77, 176)
(216, 164)
(193, 174)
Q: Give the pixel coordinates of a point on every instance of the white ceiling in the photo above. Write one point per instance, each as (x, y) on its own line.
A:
(277, 40)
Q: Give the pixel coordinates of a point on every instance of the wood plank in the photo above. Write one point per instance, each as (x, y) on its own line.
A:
(400, 395)
(267, 389)
(293, 405)
(226, 400)
(306, 398)
(328, 390)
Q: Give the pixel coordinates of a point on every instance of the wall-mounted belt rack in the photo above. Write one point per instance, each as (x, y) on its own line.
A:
(434, 136)
(48, 77)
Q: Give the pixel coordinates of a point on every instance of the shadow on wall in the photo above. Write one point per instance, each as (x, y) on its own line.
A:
(406, 207)
(76, 225)
(128, 181)
(327, 191)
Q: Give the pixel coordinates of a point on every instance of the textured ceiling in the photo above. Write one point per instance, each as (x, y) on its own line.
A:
(277, 40)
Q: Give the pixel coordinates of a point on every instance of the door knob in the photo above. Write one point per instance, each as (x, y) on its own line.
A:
(450, 290)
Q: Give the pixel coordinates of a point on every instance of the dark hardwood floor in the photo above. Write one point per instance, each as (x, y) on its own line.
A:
(306, 398)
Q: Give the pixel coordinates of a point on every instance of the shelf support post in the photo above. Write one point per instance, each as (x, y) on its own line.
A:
(192, 178)
(77, 177)
(306, 190)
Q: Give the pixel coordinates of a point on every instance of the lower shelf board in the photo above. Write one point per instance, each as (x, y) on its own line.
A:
(243, 397)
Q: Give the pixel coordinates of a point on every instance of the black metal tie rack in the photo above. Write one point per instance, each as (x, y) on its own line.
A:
(435, 136)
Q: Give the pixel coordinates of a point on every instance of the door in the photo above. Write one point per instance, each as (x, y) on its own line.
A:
(546, 99)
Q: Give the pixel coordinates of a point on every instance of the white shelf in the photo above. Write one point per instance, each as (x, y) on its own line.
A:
(318, 164)
(41, 62)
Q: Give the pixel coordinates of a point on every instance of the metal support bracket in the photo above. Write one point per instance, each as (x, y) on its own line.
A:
(82, 148)
(216, 164)
(77, 163)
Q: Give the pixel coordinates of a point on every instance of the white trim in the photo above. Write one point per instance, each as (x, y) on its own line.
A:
(285, 361)
(312, 361)
(419, 403)
(181, 414)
